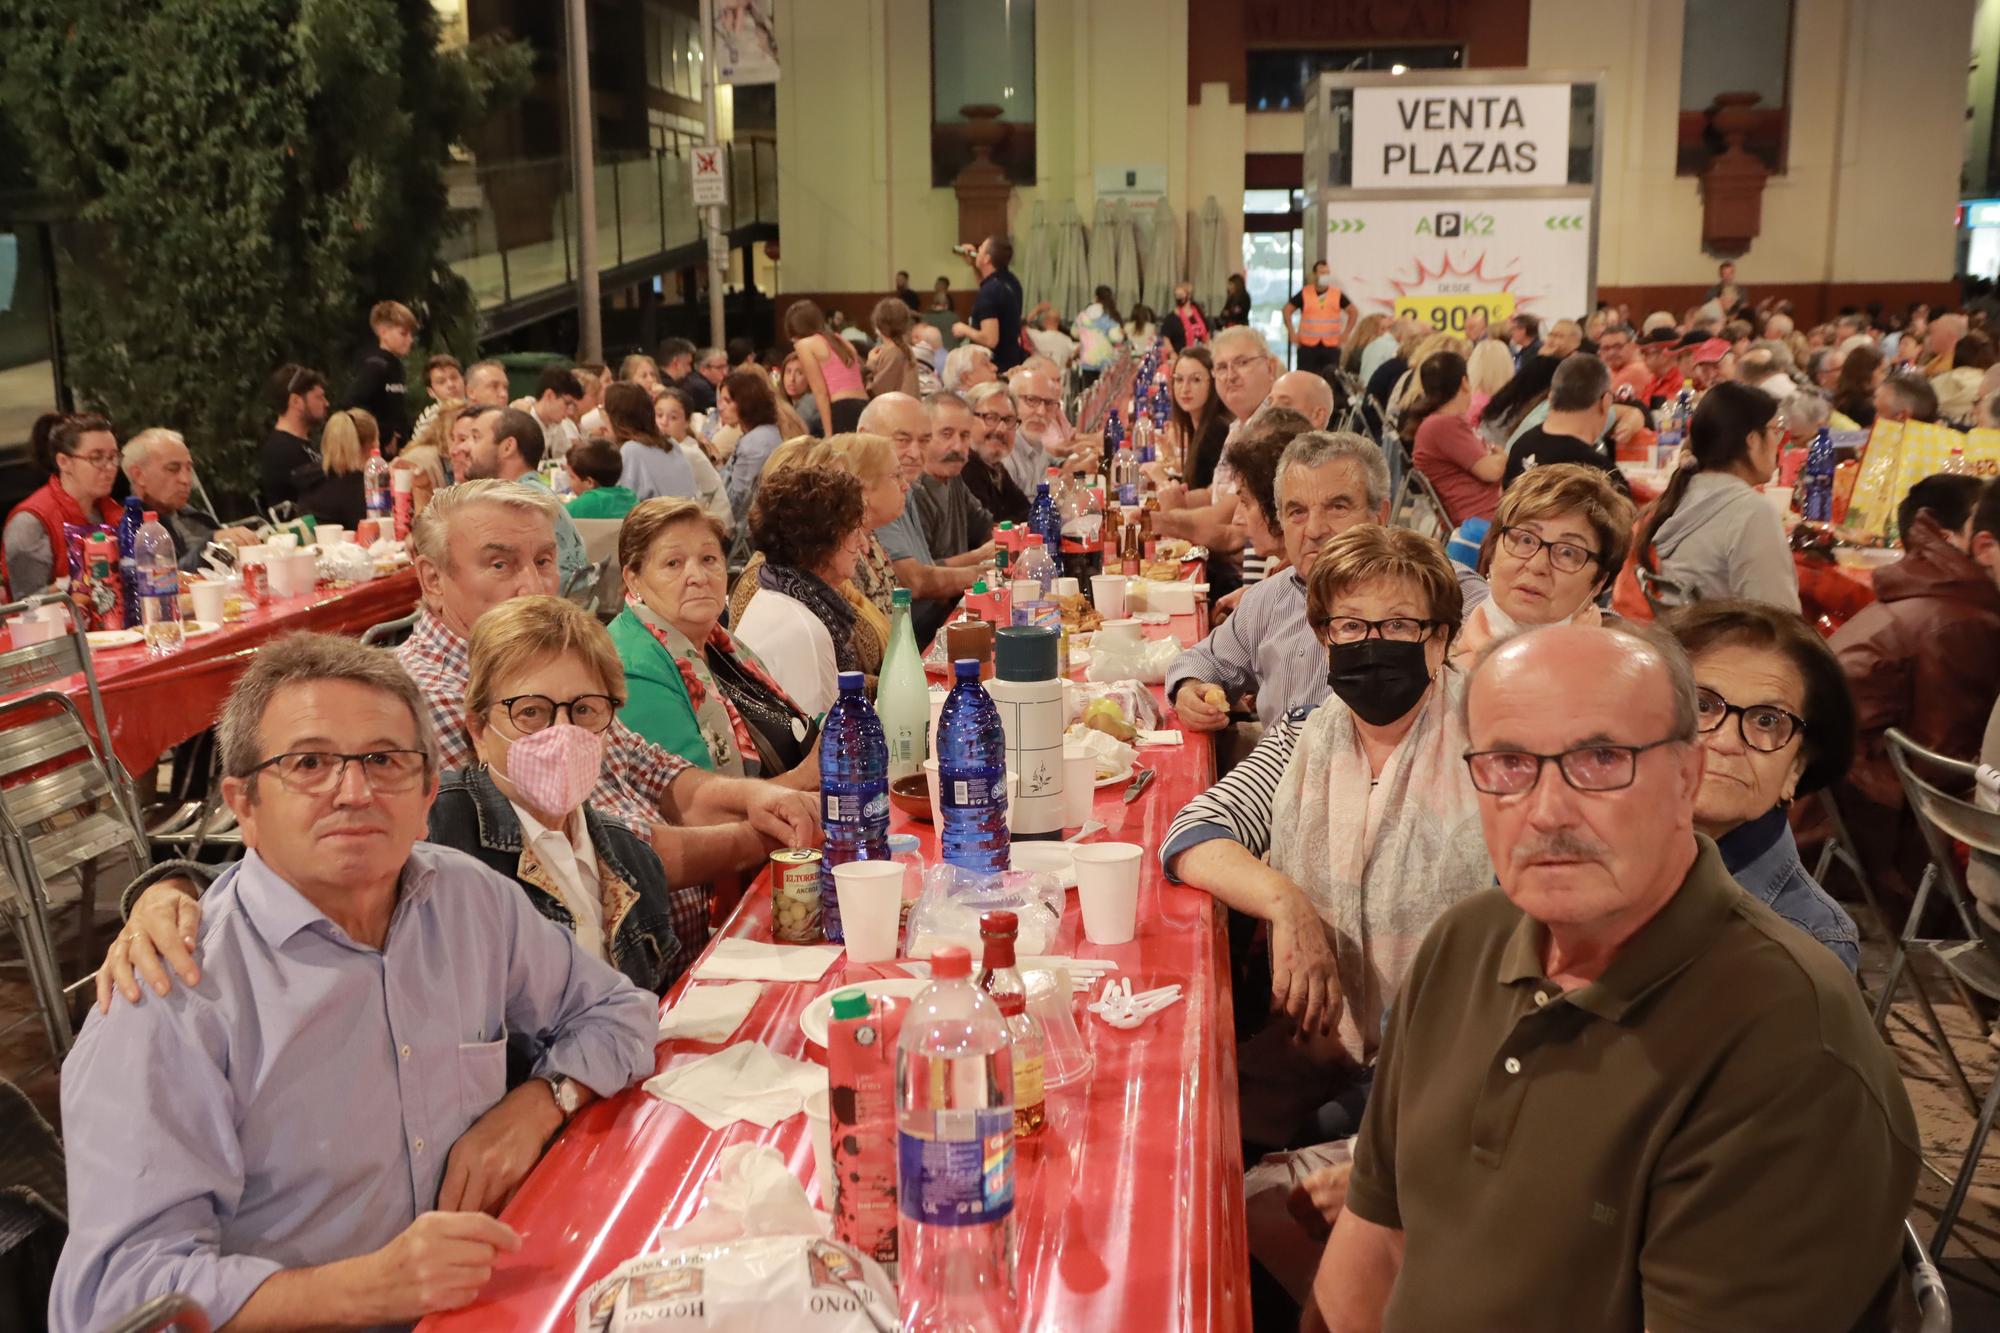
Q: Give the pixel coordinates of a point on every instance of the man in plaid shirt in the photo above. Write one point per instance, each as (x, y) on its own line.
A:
(481, 543)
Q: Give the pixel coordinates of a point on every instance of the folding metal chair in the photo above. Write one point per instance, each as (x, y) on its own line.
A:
(66, 803)
(389, 633)
(1420, 509)
(1969, 962)
(1926, 1287)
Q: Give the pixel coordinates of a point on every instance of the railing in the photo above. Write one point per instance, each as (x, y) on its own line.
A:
(522, 239)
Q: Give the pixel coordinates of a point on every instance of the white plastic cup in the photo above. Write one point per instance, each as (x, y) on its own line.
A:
(1079, 785)
(870, 895)
(1107, 594)
(209, 597)
(29, 629)
(1107, 888)
(819, 1114)
(1068, 587)
(329, 534)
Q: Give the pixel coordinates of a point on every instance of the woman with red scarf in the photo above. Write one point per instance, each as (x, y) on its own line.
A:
(80, 455)
(693, 688)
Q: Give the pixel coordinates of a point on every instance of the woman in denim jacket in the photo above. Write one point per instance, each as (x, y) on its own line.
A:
(1777, 723)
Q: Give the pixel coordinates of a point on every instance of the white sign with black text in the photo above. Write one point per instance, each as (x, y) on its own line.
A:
(709, 173)
(1460, 136)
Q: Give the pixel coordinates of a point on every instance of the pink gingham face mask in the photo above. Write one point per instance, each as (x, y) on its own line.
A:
(555, 768)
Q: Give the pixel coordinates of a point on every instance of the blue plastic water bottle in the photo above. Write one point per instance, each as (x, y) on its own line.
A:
(972, 775)
(1045, 518)
(1816, 479)
(128, 534)
(854, 790)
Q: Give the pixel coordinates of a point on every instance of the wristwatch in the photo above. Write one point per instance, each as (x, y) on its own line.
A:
(565, 1092)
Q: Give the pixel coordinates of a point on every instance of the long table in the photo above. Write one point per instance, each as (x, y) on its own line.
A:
(1128, 1208)
(152, 705)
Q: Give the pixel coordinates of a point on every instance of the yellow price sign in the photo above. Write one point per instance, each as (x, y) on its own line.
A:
(1448, 313)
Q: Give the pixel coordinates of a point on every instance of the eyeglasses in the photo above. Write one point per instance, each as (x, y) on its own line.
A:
(1765, 727)
(317, 772)
(1046, 404)
(1586, 768)
(996, 419)
(1231, 369)
(532, 712)
(1396, 629)
(1566, 557)
(96, 460)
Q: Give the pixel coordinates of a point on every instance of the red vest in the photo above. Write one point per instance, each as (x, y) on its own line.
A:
(53, 506)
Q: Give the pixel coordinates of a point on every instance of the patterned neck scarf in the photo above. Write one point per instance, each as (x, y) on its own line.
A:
(818, 597)
(721, 725)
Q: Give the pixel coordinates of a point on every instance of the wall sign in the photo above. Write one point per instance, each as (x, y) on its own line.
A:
(1408, 135)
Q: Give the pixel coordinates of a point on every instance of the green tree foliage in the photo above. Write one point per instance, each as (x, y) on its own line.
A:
(246, 177)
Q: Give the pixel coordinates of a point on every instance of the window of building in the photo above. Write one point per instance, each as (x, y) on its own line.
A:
(1734, 46)
(1277, 80)
(982, 54)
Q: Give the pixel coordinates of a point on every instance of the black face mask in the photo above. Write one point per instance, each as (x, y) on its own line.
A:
(1379, 679)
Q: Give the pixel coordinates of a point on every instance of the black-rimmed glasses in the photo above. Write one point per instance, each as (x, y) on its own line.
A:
(1599, 767)
(317, 772)
(1353, 629)
(1565, 557)
(532, 712)
(1765, 727)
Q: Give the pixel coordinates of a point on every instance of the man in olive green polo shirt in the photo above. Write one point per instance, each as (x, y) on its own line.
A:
(1620, 1093)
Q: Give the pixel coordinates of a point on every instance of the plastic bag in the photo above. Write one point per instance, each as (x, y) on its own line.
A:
(755, 1257)
(345, 563)
(947, 911)
(1133, 698)
(1145, 661)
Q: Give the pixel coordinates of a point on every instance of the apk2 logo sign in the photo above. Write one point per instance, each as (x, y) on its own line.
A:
(1449, 224)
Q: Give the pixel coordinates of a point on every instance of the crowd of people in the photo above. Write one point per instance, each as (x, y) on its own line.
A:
(523, 846)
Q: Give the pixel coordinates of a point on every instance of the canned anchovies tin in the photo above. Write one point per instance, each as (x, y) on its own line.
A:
(795, 895)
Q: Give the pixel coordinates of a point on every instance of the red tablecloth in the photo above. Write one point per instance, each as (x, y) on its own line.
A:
(1128, 1208)
(1830, 594)
(153, 705)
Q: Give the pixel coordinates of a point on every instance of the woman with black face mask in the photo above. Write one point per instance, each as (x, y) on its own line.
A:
(1348, 830)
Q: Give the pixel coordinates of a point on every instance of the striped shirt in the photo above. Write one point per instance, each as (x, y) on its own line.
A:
(1238, 807)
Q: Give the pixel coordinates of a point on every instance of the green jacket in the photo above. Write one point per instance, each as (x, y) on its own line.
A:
(657, 704)
(603, 502)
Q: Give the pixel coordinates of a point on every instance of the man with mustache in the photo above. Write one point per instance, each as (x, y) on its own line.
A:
(956, 525)
(936, 581)
(1044, 438)
(1619, 1093)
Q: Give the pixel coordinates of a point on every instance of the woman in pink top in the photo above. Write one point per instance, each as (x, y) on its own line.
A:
(1456, 460)
(832, 366)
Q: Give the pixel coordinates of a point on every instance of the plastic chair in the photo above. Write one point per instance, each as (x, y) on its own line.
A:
(1926, 1286)
(66, 803)
(1972, 966)
(172, 1311)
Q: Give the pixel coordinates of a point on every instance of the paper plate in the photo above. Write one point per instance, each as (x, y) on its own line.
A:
(817, 1014)
(1116, 778)
(191, 628)
(1052, 858)
(114, 638)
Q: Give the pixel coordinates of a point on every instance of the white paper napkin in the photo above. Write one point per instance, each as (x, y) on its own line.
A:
(752, 960)
(710, 1013)
(747, 1081)
(1171, 736)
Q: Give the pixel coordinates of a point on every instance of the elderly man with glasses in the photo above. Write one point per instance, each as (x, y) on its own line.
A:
(986, 474)
(1044, 437)
(325, 1121)
(1577, 1120)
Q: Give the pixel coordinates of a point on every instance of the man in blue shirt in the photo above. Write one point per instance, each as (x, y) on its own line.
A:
(996, 306)
(326, 1123)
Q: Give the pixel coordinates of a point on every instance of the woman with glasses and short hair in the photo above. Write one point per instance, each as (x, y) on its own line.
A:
(1377, 833)
(79, 455)
(1556, 544)
(1774, 713)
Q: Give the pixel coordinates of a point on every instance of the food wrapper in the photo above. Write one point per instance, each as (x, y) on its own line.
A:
(1110, 755)
(756, 1257)
(1133, 698)
(1146, 661)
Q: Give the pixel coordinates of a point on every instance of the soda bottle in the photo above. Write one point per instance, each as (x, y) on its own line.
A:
(972, 776)
(1082, 528)
(955, 1157)
(999, 978)
(403, 499)
(903, 695)
(1125, 473)
(158, 574)
(102, 600)
(375, 488)
(1036, 565)
(854, 787)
